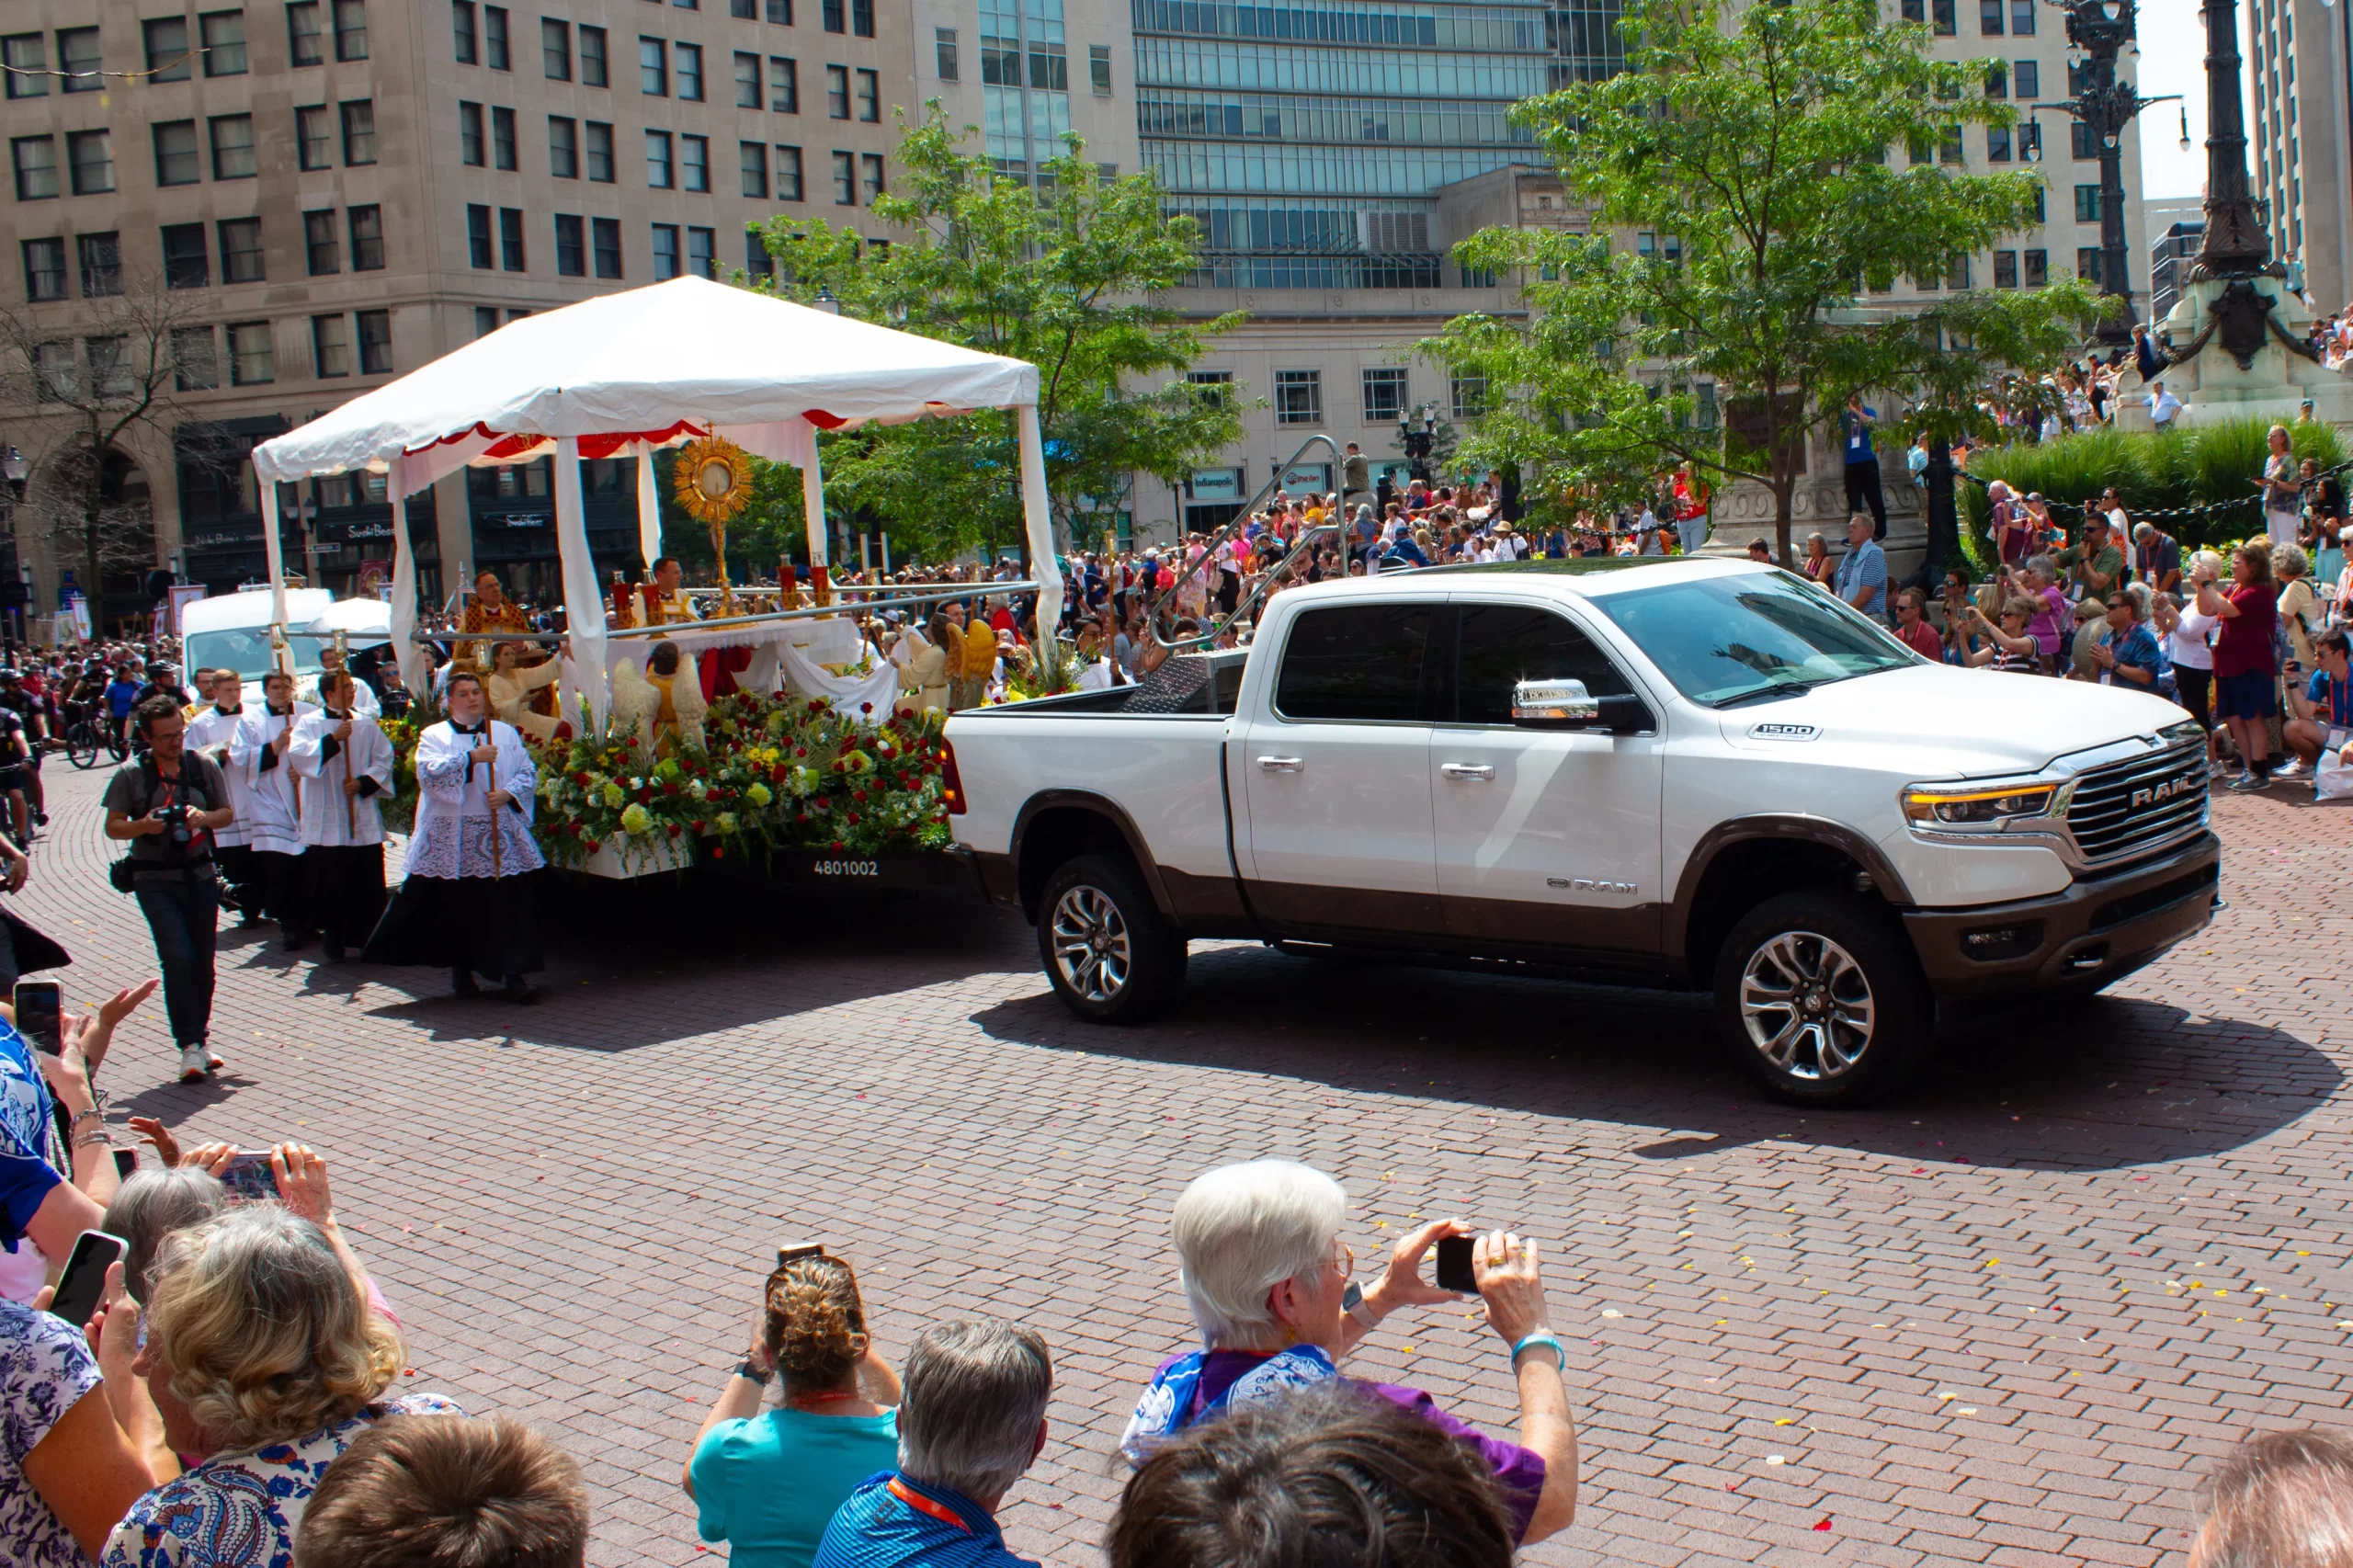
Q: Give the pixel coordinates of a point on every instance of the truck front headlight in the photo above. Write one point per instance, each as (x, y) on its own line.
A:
(1935, 808)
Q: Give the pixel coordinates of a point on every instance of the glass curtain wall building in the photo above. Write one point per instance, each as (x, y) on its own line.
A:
(1309, 140)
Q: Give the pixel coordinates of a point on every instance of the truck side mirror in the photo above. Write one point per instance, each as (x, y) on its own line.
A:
(1553, 705)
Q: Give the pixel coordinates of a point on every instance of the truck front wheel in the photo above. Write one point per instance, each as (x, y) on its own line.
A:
(1111, 957)
(1820, 1001)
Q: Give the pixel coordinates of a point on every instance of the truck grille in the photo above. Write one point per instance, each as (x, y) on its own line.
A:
(2138, 807)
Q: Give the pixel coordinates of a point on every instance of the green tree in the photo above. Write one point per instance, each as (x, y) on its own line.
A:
(1067, 275)
(1747, 179)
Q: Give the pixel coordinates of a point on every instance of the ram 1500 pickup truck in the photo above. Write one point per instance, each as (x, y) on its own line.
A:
(1687, 774)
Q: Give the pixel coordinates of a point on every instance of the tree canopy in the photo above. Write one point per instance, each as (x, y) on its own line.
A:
(1064, 274)
(1749, 181)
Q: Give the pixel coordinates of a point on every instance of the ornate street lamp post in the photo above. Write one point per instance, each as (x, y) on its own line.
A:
(2104, 106)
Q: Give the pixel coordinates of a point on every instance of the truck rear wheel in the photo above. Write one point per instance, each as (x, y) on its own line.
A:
(1820, 1001)
(1111, 957)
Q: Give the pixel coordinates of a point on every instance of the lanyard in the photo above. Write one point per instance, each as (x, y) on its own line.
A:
(923, 1505)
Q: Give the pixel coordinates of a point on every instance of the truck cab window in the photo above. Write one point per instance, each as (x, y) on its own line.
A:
(1500, 645)
(1359, 663)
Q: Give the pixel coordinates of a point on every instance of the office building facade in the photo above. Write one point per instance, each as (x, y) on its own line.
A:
(2300, 123)
(320, 196)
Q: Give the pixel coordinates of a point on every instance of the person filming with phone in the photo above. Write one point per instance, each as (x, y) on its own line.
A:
(1272, 1286)
(165, 806)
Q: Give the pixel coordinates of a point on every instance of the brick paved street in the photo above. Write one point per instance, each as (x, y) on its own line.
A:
(2008, 1318)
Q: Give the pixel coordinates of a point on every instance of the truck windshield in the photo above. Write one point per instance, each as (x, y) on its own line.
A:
(1724, 640)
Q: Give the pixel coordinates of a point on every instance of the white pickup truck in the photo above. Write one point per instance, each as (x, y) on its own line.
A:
(1689, 774)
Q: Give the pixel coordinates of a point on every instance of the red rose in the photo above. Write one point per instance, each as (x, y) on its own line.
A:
(644, 797)
(802, 816)
(674, 830)
(697, 827)
(837, 846)
(671, 788)
(866, 708)
(853, 819)
(858, 795)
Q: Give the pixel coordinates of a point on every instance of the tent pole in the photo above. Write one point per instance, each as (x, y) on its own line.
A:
(649, 513)
(812, 503)
(415, 671)
(1034, 511)
(272, 552)
(583, 602)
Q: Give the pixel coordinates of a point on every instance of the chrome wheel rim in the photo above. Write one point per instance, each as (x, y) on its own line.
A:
(1807, 1005)
(1090, 944)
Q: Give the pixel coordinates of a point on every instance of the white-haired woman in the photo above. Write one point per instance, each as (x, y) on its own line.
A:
(1269, 1283)
(264, 1361)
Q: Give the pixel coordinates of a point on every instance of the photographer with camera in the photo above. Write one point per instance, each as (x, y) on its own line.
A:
(165, 806)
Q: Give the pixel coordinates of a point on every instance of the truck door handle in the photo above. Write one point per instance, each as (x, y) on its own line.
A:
(1481, 771)
(1282, 763)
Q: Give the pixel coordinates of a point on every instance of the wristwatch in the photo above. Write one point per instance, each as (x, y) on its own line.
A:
(1353, 1303)
(748, 1368)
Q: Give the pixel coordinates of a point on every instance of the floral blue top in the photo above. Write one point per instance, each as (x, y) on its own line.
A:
(45, 1370)
(240, 1510)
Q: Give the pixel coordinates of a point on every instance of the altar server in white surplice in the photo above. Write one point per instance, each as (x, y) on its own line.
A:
(262, 789)
(344, 763)
(467, 902)
(213, 731)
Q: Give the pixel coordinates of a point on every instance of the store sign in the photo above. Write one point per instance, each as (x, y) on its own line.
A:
(1217, 485)
(517, 520)
(1308, 476)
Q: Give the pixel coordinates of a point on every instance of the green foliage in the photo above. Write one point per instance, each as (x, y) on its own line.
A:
(1066, 276)
(1753, 169)
(2195, 465)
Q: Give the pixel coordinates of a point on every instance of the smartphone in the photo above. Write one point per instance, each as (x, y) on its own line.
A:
(792, 1250)
(249, 1177)
(1454, 1271)
(40, 1015)
(126, 1164)
(83, 1283)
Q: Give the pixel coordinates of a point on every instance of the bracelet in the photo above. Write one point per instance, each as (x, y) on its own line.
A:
(97, 1136)
(80, 1115)
(1542, 1338)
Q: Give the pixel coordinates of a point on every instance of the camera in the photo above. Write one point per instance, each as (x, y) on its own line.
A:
(175, 823)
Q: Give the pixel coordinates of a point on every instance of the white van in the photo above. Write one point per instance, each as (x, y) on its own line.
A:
(231, 632)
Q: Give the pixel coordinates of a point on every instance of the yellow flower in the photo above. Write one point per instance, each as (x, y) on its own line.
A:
(636, 820)
(727, 821)
(759, 795)
(613, 796)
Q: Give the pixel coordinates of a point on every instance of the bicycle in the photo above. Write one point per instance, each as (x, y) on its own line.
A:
(84, 738)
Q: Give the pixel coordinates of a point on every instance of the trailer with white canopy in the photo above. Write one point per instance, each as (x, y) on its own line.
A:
(625, 374)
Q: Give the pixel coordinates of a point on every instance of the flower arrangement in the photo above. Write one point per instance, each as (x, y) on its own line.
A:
(775, 773)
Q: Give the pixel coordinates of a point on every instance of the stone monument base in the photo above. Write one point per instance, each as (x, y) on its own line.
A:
(2214, 384)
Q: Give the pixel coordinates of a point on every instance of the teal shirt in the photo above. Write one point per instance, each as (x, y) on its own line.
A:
(769, 1485)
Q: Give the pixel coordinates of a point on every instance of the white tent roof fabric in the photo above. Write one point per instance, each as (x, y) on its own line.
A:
(718, 356)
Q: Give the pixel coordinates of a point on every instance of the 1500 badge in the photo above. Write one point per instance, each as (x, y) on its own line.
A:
(1589, 884)
(1783, 731)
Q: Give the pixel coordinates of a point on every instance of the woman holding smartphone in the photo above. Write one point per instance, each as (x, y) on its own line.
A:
(766, 1482)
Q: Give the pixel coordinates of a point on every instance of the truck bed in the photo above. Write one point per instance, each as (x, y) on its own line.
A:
(1214, 698)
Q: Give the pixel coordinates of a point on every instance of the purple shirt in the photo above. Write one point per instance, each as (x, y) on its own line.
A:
(1518, 1472)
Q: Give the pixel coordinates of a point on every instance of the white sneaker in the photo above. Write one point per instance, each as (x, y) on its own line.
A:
(196, 1064)
(2291, 769)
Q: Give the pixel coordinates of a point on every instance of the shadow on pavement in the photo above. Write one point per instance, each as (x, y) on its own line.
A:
(2118, 1082)
(698, 958)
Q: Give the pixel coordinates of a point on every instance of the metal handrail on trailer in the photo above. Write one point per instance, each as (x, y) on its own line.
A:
(1268, 582)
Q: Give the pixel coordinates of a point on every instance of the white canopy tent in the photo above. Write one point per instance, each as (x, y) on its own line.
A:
(625, 374)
